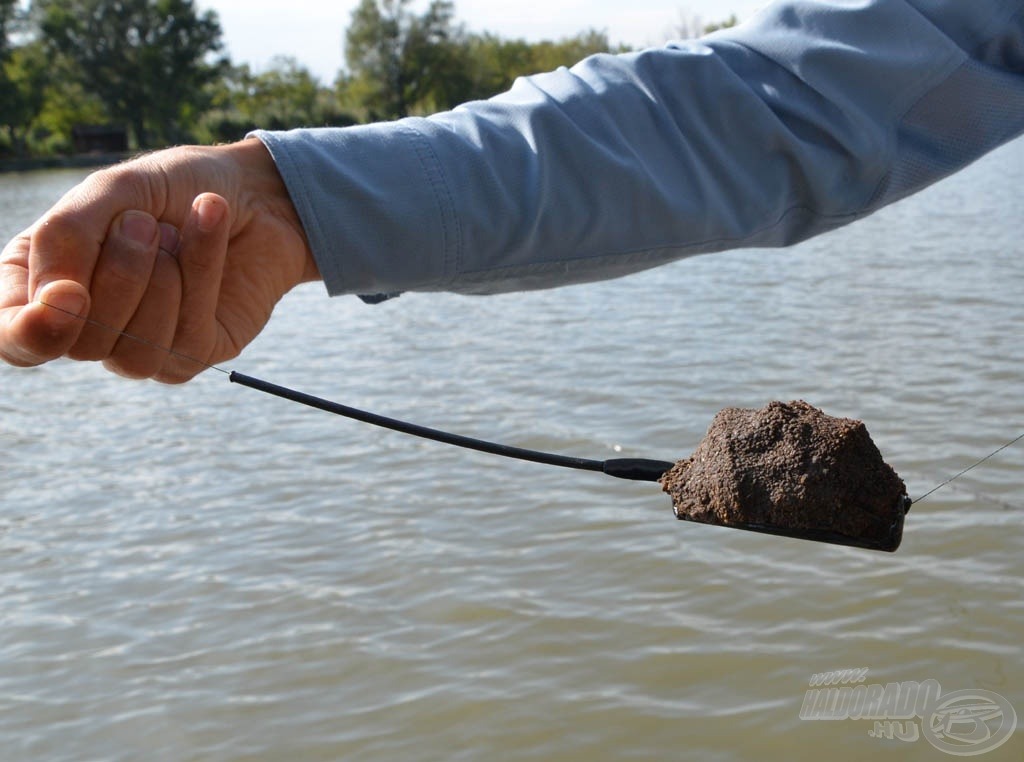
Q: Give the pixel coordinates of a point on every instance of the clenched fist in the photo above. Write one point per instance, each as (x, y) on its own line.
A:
(188, 248)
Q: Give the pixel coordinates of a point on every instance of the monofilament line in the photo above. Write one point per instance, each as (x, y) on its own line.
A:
(139, 339)
(972, 466)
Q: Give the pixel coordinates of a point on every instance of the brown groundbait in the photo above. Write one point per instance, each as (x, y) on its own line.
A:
(790, 469)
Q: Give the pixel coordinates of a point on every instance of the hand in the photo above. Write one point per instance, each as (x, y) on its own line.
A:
(188, 248)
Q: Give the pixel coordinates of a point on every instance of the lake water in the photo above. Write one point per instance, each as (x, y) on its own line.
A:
(206, 573)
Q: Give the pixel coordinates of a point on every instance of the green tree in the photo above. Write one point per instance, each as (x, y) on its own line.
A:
(8, 90)
(400, 62)
(691, 26)
(724, 24)
(65, 105)
(148, 61)
(24, 76)
(495, 63)
(283, 96)
(548, 56)
(8, 10)
(24, 79)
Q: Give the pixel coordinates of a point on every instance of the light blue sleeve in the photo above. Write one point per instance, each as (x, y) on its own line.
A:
(808, 117)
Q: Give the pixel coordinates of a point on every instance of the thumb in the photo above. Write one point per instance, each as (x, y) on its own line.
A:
(47, 327)
(201, 256)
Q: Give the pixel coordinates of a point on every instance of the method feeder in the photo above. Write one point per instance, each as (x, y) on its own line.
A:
(811, 521)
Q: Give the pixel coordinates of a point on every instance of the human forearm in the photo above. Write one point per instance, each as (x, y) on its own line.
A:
(811, 117)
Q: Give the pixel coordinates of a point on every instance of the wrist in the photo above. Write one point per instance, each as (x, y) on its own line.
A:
(262, 191)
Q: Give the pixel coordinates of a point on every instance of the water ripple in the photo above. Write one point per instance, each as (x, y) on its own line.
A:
(200, 572)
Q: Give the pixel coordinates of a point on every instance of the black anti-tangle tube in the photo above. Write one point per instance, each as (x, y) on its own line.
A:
(637, 469)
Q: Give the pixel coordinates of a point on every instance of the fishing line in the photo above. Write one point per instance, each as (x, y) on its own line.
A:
(133, 337)
(975, 465)
(639, 469)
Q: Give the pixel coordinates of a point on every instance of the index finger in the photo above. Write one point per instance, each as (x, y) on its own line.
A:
(53, 262)
(66, 242)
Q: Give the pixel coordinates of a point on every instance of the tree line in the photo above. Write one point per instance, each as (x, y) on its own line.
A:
(157, 70)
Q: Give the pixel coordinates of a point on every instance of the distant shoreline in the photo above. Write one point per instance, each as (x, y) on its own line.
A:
(77, 161)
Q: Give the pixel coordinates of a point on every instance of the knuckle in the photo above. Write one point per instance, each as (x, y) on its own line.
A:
(119, 182)
(16, 250)
(132, 183)
(62, 229)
